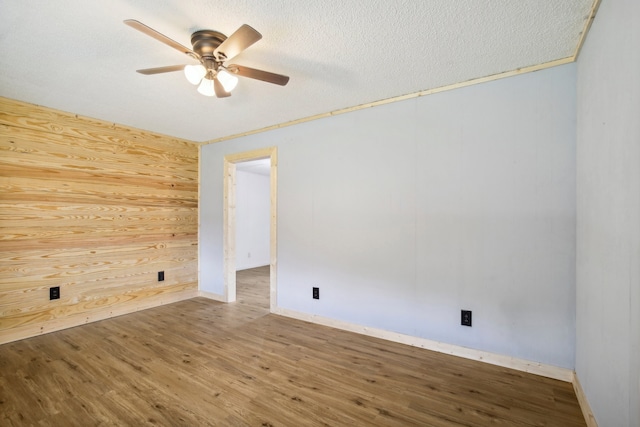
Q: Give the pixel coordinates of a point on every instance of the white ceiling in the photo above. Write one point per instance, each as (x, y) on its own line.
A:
(259, 167)
(78, 56)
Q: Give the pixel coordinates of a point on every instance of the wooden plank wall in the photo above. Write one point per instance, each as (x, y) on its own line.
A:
(95, 208)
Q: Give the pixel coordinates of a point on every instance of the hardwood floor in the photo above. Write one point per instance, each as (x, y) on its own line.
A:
(252, 287)
(200, 362)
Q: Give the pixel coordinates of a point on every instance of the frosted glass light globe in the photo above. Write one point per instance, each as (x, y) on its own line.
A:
(206, 87)
(194, 73)
(228, 80)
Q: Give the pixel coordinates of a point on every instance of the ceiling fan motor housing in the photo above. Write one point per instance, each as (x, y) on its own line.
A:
(205, 42)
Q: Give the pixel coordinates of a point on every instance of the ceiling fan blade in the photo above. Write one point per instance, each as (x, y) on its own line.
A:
(220, 92)
(167, 69)
(244, 37)
(265, 76)
(160, 37)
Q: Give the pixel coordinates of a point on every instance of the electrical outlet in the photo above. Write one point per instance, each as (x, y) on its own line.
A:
(54, 292)
(316, 293)
(465, 317)
(160, 276)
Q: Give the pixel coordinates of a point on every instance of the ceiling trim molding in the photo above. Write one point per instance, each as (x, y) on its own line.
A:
(471, 82)
(588, 21)
(587, 26)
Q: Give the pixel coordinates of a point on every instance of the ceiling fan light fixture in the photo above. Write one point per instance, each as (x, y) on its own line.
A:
(227, 80)
(195, 73)
(212, 49)
(206, 87)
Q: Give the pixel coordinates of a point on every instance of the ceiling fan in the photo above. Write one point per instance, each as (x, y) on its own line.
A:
(212, 49)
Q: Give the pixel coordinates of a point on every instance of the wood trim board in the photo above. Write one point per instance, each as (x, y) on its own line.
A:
(229, 222)
(418, 94)
(139, 302)
(589, 417)
(549, 371)
(587, 26)
(588, 21)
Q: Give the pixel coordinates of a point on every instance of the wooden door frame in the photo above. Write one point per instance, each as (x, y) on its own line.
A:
(229, 224)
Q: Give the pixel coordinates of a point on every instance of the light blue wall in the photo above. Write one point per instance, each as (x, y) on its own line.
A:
(608, 222)
(253, 220)
(403, 214)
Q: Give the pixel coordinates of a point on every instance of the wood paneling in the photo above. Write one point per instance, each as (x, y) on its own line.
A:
(95, 208)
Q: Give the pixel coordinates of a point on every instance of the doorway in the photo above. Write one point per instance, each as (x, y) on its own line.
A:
(229, 205)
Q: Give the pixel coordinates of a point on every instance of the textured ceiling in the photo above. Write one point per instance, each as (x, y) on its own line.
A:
(78, 56)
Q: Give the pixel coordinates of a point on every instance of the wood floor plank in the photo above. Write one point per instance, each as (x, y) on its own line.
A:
(201, 362)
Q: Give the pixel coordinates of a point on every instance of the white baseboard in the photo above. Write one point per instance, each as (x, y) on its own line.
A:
(211, 295)
(548, 371)
(589, 418)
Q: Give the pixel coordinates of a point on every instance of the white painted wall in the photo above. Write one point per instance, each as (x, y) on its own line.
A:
(403, 214)
(253, 215)
(608, 222)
